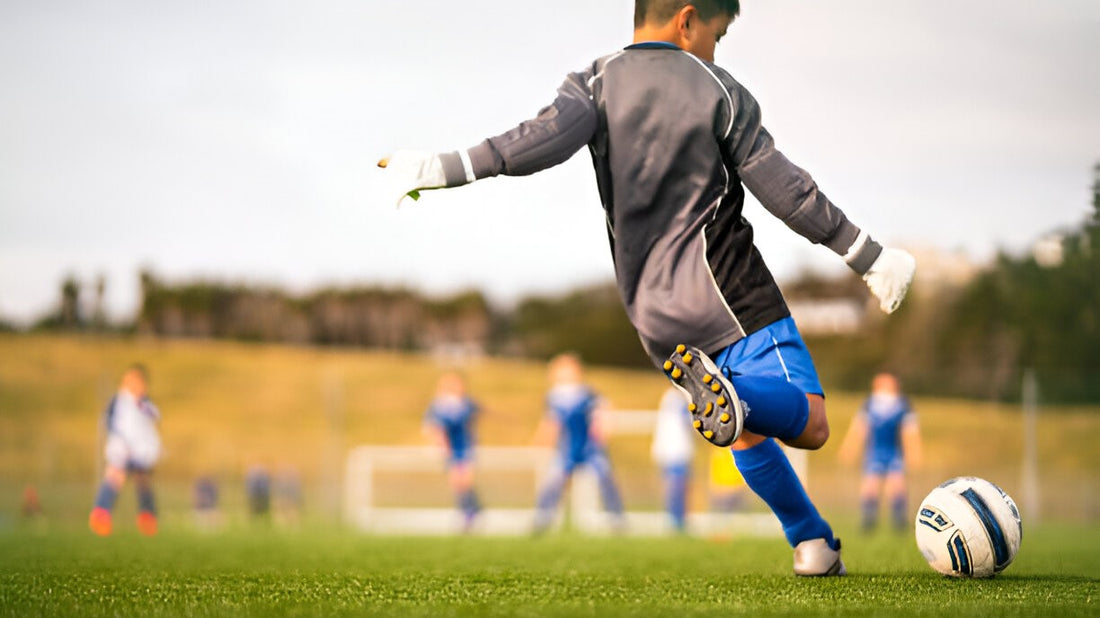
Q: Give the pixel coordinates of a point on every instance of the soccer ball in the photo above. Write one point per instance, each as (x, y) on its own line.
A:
(968, 527)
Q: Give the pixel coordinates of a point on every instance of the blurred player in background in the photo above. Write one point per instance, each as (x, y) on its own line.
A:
(449, 424)
(257, 489)
(288, 499)
(886, 430)
(133, 448)
(675, 141)
(204, 503)
(574, 421)
(673, 447)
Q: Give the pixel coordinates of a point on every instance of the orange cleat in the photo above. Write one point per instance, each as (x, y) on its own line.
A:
(147, 523)
(100, 521)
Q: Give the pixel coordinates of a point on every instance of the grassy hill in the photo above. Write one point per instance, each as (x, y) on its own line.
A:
(228, 405)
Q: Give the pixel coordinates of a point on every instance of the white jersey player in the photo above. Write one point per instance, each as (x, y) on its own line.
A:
(133, 448)
(673, 449)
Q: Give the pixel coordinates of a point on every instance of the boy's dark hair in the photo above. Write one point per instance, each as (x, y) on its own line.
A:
(664, 10)
(140, 369)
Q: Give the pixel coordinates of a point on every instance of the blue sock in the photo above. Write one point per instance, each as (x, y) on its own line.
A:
(676, 494)
(146, 502)
(869, 514)
(548, 499)
(468, 503)
(768, 473)
(609, 491)
(776, 408)
(901, 514)
(106, 497)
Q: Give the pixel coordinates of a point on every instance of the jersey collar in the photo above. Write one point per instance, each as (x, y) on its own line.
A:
(653, 45)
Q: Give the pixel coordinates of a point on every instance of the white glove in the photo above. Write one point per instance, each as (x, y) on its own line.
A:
(889, 277)
(408, 172)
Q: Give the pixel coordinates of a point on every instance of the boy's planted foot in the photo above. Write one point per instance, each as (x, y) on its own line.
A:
(815, 558)
(716, 410)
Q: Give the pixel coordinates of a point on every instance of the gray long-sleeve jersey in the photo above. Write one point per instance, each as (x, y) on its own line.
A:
(673, 139)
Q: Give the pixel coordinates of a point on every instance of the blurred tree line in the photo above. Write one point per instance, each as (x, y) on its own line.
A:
(375, 317)
(1040, 311)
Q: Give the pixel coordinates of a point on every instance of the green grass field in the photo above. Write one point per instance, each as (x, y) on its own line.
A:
(328, 573)
(227, 405)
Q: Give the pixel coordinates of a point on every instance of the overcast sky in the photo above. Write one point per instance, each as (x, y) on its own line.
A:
(237, 139)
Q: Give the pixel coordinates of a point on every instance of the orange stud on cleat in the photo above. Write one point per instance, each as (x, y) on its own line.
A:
(677, 373)
(668, 365)
(697, 424)
(716, 387)
(708, 434)
(680, 349)
(707, 378)
(710, 408)
(721, 401)
(692, 407)
(688, 358)
(725, 418)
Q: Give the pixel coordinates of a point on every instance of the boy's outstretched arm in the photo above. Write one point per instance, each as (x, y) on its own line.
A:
(559, 131)
(789, 193)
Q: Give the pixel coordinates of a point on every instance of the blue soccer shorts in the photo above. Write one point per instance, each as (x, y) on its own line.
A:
(777, 350)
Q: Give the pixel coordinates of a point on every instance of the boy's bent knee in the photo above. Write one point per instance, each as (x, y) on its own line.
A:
(816, 433)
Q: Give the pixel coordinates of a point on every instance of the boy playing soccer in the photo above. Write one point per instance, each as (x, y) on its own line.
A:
(674, 139)
(449, 424)
(886, 429)
(133, 447)
(573, 420)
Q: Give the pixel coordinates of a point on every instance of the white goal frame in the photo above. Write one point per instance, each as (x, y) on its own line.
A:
(585, 510)
(361, 511)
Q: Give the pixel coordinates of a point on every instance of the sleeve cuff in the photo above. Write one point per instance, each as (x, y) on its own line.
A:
(862, 253)
(485, 161)
(457, 169)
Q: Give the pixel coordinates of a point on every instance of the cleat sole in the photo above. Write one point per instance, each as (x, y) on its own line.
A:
(707, 390)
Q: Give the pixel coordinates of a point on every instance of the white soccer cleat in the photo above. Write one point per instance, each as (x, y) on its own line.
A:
(716, 410)
(814, 558)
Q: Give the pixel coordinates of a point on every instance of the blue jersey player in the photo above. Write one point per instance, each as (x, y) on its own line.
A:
(573, 421)
(676, 142)
(449, 423)
(886, 429)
